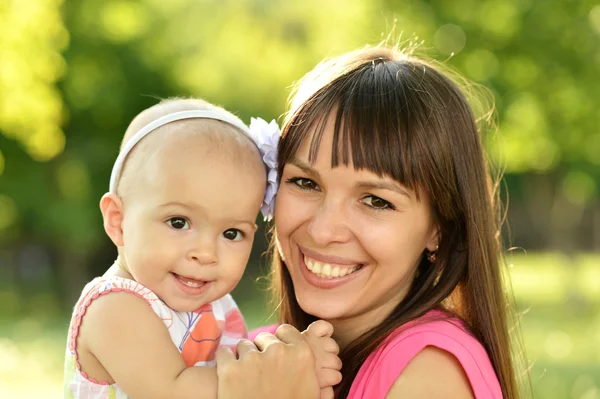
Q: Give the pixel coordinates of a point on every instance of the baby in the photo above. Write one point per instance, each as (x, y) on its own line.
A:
(184, 195)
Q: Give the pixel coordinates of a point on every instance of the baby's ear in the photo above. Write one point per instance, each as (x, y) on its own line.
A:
(111, 207)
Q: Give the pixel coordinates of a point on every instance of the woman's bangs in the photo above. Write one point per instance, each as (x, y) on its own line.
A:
(371, 128)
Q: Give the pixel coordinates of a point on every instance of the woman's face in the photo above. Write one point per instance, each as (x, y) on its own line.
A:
(351, 239)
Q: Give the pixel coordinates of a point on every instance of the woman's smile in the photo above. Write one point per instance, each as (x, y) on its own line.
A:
(325, 271)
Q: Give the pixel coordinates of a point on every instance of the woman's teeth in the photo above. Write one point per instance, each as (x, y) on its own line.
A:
(326, 270)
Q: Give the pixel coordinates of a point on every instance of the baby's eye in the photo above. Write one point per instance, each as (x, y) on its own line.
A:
(377, 203)
(303, 183)
(178, 223)
(233, 234)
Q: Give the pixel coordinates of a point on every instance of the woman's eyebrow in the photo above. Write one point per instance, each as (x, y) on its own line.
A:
(305, 166)
(383, 185)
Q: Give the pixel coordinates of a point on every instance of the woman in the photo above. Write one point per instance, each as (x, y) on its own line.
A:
(385, 226)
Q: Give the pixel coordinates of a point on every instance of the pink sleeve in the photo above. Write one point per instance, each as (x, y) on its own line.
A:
(382, 368)
(270, 329)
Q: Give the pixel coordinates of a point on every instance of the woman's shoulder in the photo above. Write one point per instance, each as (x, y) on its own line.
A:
(435, 329)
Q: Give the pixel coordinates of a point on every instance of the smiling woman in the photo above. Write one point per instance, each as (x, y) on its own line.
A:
(369, 227)
(385, 226)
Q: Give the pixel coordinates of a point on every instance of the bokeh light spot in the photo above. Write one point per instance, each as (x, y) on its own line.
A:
(583, 387)
(499, 18)
(46, 143)
(592, 148)
(481, 65)
(73, 180)
(8, 211)
(578, 187)
(520, 72)
(123, 21)
(450, 39)
(558, 344)
(594, 18)
(2, 162)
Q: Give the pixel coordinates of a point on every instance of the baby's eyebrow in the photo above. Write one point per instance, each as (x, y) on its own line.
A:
(239, 221)
(177, 203)
(252, 225)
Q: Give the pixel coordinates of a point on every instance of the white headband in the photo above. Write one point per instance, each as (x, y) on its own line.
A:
(150, 127)
(263, 135)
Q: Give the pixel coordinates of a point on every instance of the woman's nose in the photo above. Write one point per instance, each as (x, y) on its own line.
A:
(329, 224)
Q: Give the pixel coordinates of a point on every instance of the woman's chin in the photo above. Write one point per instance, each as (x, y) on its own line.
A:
(325, 309)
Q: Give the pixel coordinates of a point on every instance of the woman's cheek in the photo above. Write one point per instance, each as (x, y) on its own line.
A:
(286, 210)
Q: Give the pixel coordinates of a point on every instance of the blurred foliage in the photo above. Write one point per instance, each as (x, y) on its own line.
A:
(74, 73)
(70, 86)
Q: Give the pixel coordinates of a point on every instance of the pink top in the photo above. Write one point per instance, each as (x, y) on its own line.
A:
(384, 365)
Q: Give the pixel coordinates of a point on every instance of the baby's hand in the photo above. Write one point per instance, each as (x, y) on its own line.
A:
(325, 349)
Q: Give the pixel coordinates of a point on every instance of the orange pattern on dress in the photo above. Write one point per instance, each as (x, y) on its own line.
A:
(235, 325)
(203, 340)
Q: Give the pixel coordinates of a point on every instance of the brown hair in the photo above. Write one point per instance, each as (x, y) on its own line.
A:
(399, 116)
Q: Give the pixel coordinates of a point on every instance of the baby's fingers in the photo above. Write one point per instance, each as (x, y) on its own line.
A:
(330, 361)
(329, 378)
(329, 345)
(327, 393)
(320, 328)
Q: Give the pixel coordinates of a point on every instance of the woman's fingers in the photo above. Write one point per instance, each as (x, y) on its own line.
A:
(264, 340)
(224, 356)
(288, 334)
(244, 347)
(275, 366)
(285, 334)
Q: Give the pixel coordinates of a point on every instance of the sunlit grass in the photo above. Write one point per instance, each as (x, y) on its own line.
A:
(559, 295)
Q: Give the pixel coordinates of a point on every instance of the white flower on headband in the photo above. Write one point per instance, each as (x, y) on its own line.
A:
(266, 136)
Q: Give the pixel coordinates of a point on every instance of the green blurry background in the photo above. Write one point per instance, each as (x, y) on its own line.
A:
(74, 73)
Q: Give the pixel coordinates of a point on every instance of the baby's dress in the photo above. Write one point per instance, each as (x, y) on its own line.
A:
(197, 335)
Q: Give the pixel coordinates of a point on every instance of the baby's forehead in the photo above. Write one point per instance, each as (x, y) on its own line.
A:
(183, 142)
(206, 133)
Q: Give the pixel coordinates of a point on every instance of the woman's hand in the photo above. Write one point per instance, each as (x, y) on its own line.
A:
(274, 366)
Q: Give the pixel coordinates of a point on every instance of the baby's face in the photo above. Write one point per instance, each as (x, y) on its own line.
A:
(189, 222)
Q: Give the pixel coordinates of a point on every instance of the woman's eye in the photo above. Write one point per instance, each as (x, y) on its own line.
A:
(303, 183)
(377, 203)
(178, 223)
(233, 235)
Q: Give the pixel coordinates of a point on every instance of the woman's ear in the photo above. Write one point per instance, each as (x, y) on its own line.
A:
(111, 207)
(434, 239)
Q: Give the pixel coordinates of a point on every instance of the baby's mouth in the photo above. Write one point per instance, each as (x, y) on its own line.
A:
(192, 283)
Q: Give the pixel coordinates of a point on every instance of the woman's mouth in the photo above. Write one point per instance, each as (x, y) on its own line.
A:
(329, 270)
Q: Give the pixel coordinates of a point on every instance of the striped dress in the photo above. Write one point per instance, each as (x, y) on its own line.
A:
(197, 335)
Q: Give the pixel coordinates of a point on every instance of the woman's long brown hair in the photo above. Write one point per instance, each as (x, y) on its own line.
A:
(399, 116)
